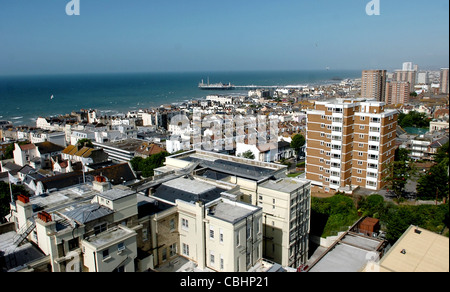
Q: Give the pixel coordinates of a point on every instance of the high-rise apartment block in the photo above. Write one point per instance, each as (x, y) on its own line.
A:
(349, 143)
(444, 84)
(406, 76)
(397, 92)
(373, 84)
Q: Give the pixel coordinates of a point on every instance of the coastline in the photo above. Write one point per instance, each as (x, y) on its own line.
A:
(136, 91)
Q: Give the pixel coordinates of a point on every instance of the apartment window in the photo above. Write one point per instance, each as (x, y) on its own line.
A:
(361, 145)
(359, 171)
(164, 254)
(211, 232)
(172, 224)
(120, 247)
(323, 117)
(362, 118)
(322, 134)
(100, 228)
(237, 239)
(221, 235)
(359, 179)
(173, 250)
(185, 224)
(185, 249)
(221, 263)
(360, 162)
(322, 125)
(321, 151)
(322, 143)
(320, 168)
(211, 258)
(361, 127)
(360, 153)
(105, 254)
(249, 231)
(361, 136)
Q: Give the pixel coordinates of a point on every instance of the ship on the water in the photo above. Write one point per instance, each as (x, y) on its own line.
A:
(215, 86)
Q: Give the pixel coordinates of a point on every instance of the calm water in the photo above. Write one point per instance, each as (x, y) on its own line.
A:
(24, 98)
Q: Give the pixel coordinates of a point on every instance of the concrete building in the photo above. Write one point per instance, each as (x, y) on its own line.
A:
(444, 84)
(406, 76)
(397, 92)
(348, 143)
(373, 84)
(418, 250)
(192, 216)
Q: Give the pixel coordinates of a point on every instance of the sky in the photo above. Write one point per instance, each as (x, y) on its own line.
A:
(112, 36)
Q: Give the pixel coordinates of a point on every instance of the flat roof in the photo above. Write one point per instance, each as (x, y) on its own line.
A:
(231, 211)
(286, 185)
(188, 189)
(418, 251)
(115, 194)
(109, 236)
(246, 169)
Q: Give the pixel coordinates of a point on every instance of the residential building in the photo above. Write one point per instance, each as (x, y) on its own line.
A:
(444, 84)
(397, 92)
(286, 205)
(373, 84)
(417, 250)
(348, 144)
(406, 76)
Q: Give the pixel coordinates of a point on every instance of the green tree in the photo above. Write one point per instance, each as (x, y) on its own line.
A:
(399, 172)
(85, 143)
(146, 166)
(248, 154)
(5, 197)
(297, 143)
(442, 154)
(434, 184)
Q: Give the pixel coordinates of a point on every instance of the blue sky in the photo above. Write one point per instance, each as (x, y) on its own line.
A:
(37, 37)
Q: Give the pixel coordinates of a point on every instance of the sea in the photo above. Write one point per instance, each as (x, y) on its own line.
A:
(25, 98)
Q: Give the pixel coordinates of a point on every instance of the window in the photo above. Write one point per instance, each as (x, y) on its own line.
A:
(105, 254)
(322, 134)
(359, 171)
(172, 224)
(211, 232)
(185, 249)
(361, 136)
(211, 258)
(120, 247)
(360, 153)
(221, 263)
(360, 162)
(237, 239)
(361, 127)
(221, 235)
(100, 228)
(173, 249)
(164, 254)
(185, 224)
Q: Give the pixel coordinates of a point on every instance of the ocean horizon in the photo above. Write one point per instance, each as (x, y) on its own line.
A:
(25, 98)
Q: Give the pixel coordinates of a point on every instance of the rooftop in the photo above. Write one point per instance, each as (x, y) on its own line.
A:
(418, 250)
(231, 211)
(188, 189)
(286, 185)
(231, 165)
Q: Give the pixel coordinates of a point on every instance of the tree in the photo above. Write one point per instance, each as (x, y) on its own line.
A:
(434, 184)
(85, 143)
(146, 166)
(399, 172)
(248, 154)
(5, 197)
(297, 143)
